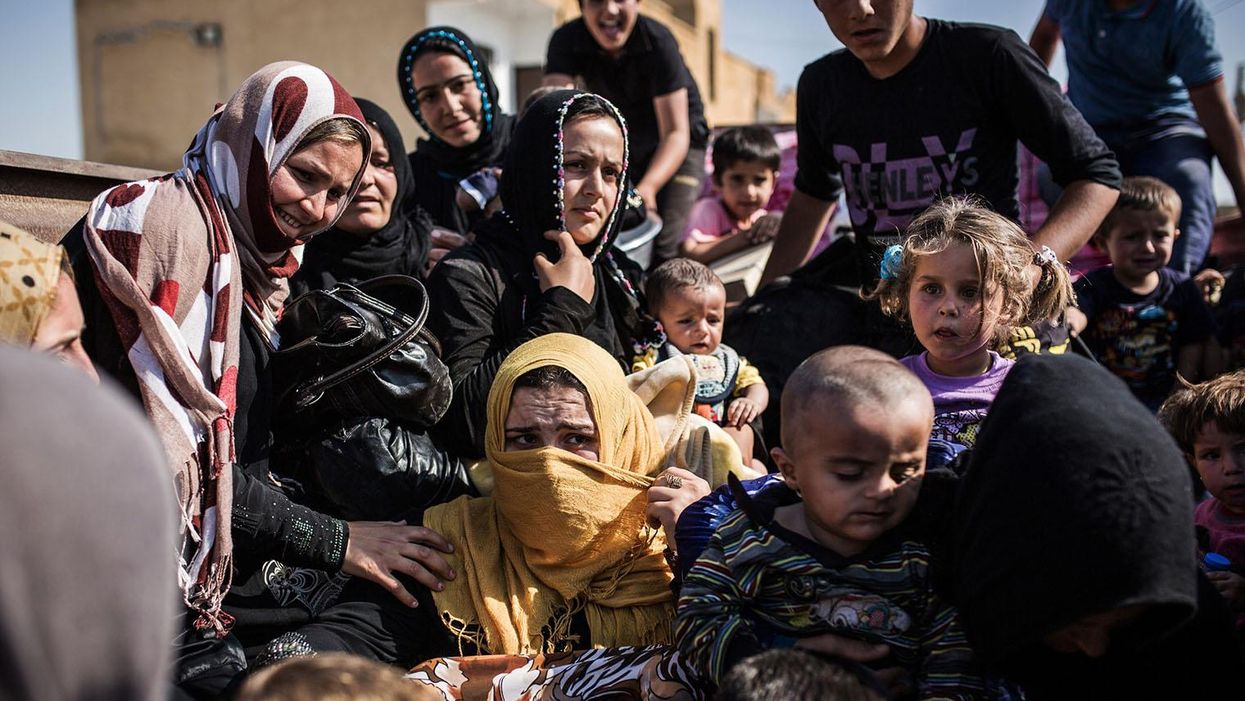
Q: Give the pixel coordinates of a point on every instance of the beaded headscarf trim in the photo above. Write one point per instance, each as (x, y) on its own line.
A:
(408, 64)
(559, 182)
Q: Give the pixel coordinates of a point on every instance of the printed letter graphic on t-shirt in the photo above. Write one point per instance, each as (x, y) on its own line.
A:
(884, 195)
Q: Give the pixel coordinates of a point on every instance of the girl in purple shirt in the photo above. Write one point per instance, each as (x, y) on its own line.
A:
(963, 277)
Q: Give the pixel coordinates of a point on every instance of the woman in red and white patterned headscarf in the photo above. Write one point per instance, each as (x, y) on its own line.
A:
(184, 276)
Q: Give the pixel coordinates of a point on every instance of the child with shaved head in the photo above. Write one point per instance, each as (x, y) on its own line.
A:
(827, 553)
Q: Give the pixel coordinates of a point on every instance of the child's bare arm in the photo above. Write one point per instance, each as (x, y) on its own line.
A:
(1077, 321)
(758, 393)
(708, 251)
(749, 405)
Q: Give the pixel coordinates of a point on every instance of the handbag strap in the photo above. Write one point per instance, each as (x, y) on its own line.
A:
(311, 391)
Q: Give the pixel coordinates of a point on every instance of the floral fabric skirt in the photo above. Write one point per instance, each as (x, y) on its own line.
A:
(616, 674)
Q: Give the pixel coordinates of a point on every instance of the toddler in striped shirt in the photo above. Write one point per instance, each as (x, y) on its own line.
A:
(829, 552)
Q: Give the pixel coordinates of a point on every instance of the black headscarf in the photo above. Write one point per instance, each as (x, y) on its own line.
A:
(401, 246)
(438, 166)
(1075, 502)
(531, 187)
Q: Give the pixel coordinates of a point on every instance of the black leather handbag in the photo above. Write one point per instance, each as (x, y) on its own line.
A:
(357, 351)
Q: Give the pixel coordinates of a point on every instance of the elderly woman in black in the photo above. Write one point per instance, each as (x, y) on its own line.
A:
(371, 459)
(383, 231)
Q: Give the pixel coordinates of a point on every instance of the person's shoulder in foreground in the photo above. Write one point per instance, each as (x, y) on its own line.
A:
(1110, 606)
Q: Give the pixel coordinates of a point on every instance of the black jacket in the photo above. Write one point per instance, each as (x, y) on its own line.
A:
(485, 303)
(373, 469)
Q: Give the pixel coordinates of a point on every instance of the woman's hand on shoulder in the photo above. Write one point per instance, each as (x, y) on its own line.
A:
(377, 550)
(673, 491)
(572, 271)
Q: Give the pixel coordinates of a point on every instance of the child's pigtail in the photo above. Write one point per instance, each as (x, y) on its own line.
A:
(891, 290)
(1053, 294)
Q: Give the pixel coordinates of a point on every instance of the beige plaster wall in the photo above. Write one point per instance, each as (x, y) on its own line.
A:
(148, 85)
(150, 76)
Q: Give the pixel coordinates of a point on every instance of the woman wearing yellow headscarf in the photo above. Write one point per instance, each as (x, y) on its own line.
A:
(561, 557)
(565, 530)
(561, 585)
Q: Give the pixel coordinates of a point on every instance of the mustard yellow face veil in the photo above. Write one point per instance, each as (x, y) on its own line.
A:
(560, 534)
(29, 271)
(628, 436)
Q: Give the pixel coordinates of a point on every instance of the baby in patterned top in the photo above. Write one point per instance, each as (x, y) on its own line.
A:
(689, 301)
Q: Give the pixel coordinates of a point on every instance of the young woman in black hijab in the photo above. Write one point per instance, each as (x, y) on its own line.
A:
(384, 231)
(1071, 549)
(490, 297)
(448, 89)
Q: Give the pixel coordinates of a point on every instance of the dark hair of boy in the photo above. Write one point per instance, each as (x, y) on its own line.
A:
(795, 675)
(1190, 408)
(676, 274)
(535, 95)
(1140, 193)
(743, 144)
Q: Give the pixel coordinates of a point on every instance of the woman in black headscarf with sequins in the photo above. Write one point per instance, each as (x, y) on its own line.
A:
(544, 264)
(448, 88)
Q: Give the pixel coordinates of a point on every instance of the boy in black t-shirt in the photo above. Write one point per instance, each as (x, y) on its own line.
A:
(915, 109)
(635, 63)
(1145, 321)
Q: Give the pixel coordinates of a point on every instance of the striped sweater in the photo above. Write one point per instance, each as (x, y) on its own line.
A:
(759, 586)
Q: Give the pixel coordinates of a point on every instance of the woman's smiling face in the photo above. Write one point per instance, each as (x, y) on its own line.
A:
(309, 189)
(592, 164)
(449, 98)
